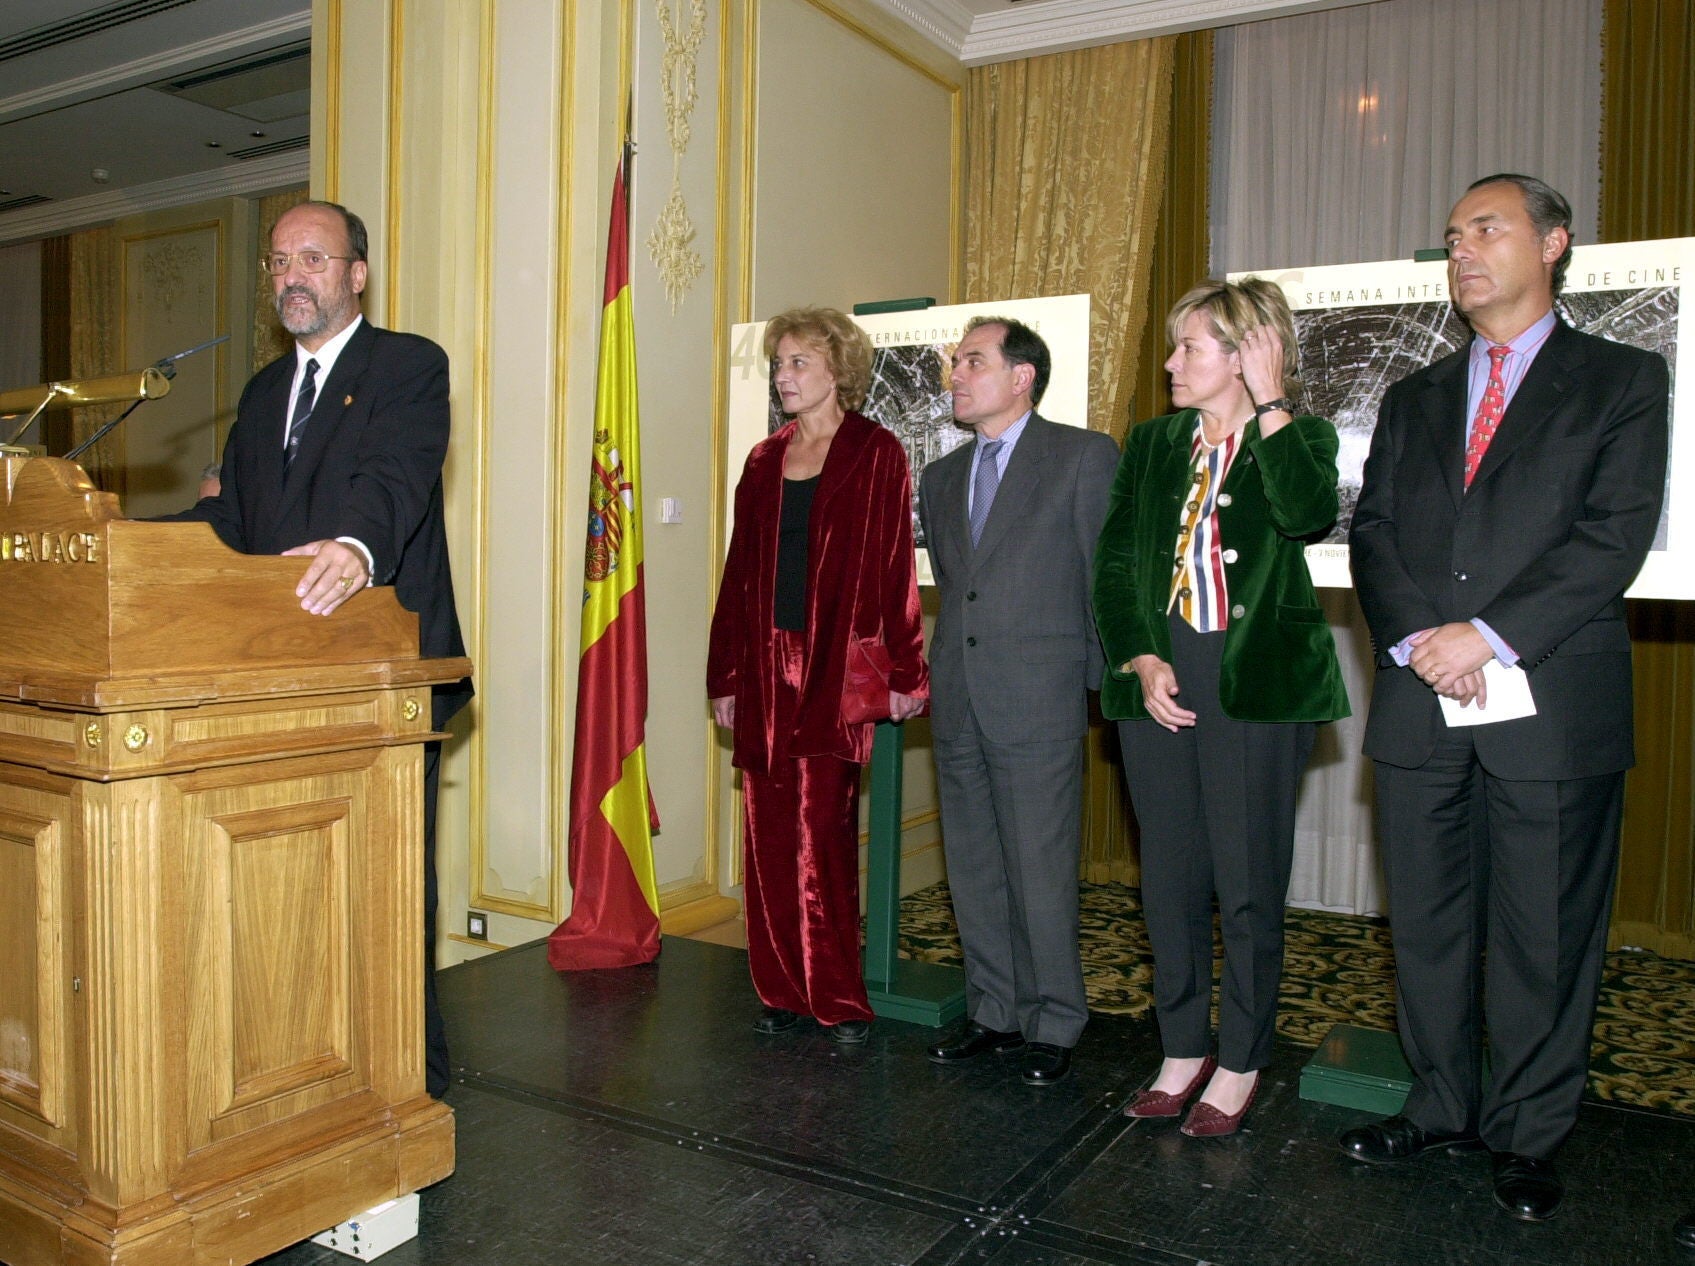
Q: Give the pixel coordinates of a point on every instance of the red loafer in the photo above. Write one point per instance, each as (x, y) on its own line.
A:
(1207, 1122)
(1159, 1103)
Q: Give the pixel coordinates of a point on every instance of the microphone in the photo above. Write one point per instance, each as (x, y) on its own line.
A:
(167, 366)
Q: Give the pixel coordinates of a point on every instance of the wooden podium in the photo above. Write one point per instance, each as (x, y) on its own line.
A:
(211, 948)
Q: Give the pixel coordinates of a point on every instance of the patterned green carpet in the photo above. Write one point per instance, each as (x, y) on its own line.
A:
(1339, 968)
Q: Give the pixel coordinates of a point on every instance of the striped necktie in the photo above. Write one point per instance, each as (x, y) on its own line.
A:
(303, 401)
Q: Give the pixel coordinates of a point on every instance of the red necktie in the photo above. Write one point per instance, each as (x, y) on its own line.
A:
(1489, 411)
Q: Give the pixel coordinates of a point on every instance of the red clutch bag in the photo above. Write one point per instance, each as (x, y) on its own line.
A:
(865, 689)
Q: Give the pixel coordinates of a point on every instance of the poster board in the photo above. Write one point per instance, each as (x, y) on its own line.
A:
(910, 371)
(1362, 327)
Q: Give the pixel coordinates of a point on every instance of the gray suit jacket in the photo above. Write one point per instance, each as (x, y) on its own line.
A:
(1015, 634)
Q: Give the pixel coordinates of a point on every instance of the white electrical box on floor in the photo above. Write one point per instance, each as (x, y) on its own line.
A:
(373, 1232)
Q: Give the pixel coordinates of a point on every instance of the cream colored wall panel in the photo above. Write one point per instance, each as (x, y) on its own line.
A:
(674, 257)
(521, 739)
(854, 151)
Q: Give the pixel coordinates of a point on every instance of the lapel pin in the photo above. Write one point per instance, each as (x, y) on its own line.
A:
(346, 400)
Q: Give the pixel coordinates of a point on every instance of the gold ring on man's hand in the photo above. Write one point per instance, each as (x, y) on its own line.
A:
(347, 582)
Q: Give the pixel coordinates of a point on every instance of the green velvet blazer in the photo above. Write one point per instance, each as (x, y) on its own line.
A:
(1279, 656)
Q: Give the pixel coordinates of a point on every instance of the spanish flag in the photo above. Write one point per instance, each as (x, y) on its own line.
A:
(614, 918)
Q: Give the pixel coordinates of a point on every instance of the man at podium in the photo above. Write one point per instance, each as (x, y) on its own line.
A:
(336, 457)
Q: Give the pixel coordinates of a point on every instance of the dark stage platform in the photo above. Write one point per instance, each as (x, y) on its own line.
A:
(634, 1117)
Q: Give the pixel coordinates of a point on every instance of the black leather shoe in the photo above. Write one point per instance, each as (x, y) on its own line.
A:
(1044, 1063)
(775, 1020)
(1397, 1139)
(972, 1041)
(1526, 1188)
(1683, 1231)
(848, 1032)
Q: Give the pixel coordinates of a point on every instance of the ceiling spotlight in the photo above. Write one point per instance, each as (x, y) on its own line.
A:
(256, 135)
(214, 145)
(100, 175)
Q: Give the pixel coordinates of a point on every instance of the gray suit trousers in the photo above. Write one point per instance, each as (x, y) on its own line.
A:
(1014, 827)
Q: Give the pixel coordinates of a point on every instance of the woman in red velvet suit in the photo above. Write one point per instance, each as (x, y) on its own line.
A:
(821, 555)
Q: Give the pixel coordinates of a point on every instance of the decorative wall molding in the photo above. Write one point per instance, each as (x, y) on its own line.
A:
(1053, 26)
(260, 175)
(682, 25)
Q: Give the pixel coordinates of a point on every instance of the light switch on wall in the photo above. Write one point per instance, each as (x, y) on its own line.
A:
(670, 510)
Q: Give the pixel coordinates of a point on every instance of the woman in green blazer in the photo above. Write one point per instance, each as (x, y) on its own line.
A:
(1220, 664)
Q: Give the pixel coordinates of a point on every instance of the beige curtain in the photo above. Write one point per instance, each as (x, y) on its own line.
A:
(270, 340)
(1065, 176)
(1648, 191)
(94, 297)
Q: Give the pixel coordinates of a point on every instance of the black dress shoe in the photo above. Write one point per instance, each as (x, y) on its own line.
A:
(1044, 1063)
(775, 1020)
(972, 1041)
(1683, 1231)
(1526, 1188)
(1397, 1139)
(848, 1032)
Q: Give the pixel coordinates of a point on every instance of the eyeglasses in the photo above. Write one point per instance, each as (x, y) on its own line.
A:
(310, 261)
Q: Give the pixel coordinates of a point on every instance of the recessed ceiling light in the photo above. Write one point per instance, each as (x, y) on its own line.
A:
(99, 175)
(214, 145)
(256, 135)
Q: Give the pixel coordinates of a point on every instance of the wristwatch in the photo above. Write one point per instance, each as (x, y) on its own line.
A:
(1272, 406)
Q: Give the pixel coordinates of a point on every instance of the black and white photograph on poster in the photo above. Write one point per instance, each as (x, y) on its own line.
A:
(1364, 326)
(910, 392)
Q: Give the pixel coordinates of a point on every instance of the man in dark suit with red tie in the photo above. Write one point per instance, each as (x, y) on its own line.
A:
(336, 456)
(1512, 492)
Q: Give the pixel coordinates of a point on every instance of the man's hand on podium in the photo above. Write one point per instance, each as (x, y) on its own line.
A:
(337, 572)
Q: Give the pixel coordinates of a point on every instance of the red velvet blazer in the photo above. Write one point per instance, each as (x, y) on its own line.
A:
(862, 582)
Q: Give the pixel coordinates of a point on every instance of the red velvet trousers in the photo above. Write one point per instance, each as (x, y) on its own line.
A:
(801, 873)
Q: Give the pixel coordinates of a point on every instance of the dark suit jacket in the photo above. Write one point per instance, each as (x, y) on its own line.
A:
(368, 466)
(1015, 636)
(1554, 527)
(1279, 656)
(862, 582)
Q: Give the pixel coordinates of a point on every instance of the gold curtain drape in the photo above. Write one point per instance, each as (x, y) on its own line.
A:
(94, 290)
(1064, 170)
(1647, 192)
(270, 340)
(1067, 190)
(1182, 242)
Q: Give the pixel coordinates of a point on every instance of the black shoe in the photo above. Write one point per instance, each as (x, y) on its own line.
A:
(1683, 1231)
(1044, 1063)
(972, 1041)
(1397, 1139)
(775, 1020)
(1526, 1188)
(848, 1032)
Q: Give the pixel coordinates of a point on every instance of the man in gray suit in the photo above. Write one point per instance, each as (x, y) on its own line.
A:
(1010, 522)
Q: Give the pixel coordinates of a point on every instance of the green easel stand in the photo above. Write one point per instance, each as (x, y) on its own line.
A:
(900, 988)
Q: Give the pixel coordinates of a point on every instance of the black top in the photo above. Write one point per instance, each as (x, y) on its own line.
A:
(788, 606)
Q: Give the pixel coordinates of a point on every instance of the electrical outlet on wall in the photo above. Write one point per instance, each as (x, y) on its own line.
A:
(476, 925)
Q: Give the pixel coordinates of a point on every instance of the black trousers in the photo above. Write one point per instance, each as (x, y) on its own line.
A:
(437, 1069)
(1518, 874)
(1216, 804)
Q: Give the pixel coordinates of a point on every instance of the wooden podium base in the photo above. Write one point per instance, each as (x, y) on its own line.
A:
(211, 893)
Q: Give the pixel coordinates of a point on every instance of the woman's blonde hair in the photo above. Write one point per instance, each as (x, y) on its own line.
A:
(844, 344)
(1233, 308)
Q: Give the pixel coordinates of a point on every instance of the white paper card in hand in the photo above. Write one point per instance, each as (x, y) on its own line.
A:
(1506, 697)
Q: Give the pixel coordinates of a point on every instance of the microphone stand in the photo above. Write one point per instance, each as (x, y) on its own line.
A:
(166, 366)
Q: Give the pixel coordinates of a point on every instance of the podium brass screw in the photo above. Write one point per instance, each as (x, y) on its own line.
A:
(135, 738)
(91, 732)
(411, 710)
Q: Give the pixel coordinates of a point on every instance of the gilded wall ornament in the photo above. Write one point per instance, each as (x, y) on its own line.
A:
(669, 245)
